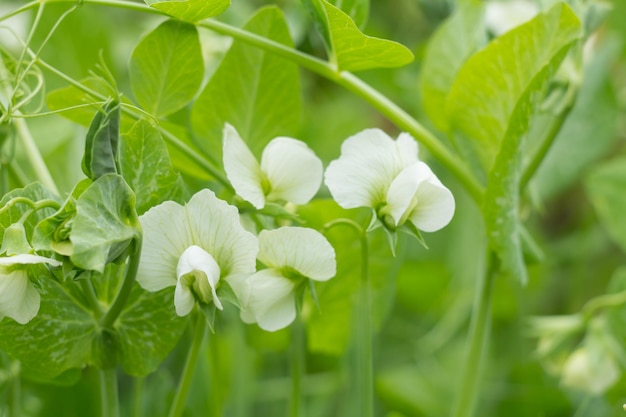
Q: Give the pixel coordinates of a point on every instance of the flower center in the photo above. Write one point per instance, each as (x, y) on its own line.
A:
(198, 272)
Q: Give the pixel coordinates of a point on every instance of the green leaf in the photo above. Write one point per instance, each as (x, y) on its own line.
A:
(166, 68)
(358, 10)
(350, 49)
(255, 91)
(489, 85)
(57, 339)
(101, 146)
(190, 10)
(605, 187)
(451, 45)
(34, 192)
(146, 167)
(105, 223)
(500, 206)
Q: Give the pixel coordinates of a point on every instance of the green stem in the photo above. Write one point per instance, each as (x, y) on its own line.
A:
(477, 342)
(178, 406)
(138, 389)
(108, 393)
(364, 333)
(129, 280)
(298, 367)
(603, 301)
(15, 402)
(92, 299)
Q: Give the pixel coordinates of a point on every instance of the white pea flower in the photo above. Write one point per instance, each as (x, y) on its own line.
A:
(502, 16)
(289, 170)
(19, 299)
(385, 174)
(193, 248)
(589, 371)
(292, 255)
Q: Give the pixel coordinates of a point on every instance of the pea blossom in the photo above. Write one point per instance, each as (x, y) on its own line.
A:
(289, 170)
(376, 171)
(19, 299)
(193, 248)
(292, 255)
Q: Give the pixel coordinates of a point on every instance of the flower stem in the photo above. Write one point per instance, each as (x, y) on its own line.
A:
(178, 406)
(108, 393)
(298, 367)
(138, 390)
(478, 335)
(15, 402)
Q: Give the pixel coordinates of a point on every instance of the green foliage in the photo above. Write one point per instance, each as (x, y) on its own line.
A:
(101, 146)
(33, 192)
(348, 48)
(190, 10)
(146, 167)
(358, 10)
(255, 91)
(166, 68)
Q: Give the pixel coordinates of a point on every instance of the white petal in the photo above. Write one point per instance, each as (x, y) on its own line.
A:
(293, 170)
(200, 263)
(25, 258)
(216, 228)
(369, 162)
(166, 235)
(502, 16)
(183, 300)
(402, 192)
(19, 300)
(435, 206)
(303, 249)
(242, 169)
(272, 301)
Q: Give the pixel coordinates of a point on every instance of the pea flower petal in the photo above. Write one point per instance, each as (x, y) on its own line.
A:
(271, 302)
(289, 170)
(193, 247)
(19, 299)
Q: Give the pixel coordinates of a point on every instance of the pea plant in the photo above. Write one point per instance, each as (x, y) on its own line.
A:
(205, 211)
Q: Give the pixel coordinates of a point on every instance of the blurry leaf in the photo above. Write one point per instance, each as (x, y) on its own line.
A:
(147, 169)
(421, 286)
(255, 91)
(190, 10)
(453, 42)
(588, 132)
(492, 83)
(349, 48)
(105, 223)
(57, 339)
(166, 68)
(606, 187)
(101, 145)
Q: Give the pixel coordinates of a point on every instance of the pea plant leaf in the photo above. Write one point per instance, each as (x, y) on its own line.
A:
(253, 90)
(605, 188)
(349, 49)
(449, 47)
(358, 10)
(34, 192)
(166, 68)
(105, 223)
(489, 85)
(538, 48)
(57, 339)
(190, 10)
(146, 167)
(102, 141)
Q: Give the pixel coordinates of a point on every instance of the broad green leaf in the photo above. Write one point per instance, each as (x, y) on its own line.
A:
(190, 10)
(146, 167)
(500, 206)
(489, 85)
(255, 91)
(166, 68)
(605, 186)
(451, 45)
(350, 49)
(358, 10)
(101, 145)
(57, 339)
(105, 223)
(34, 192)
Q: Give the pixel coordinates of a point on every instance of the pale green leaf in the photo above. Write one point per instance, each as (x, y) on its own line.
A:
(57, 339)
(190, 10)
(490, 83)
(500, 206)
(349, 48)
(358, 10)
(146, 167)
(33, 192)
(450, 46)
(606, 187)
(105, 223)
(255, 91)
(166, 68)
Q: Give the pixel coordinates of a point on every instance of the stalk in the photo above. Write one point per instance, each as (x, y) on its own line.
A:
(109, 396)
(298, 367)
